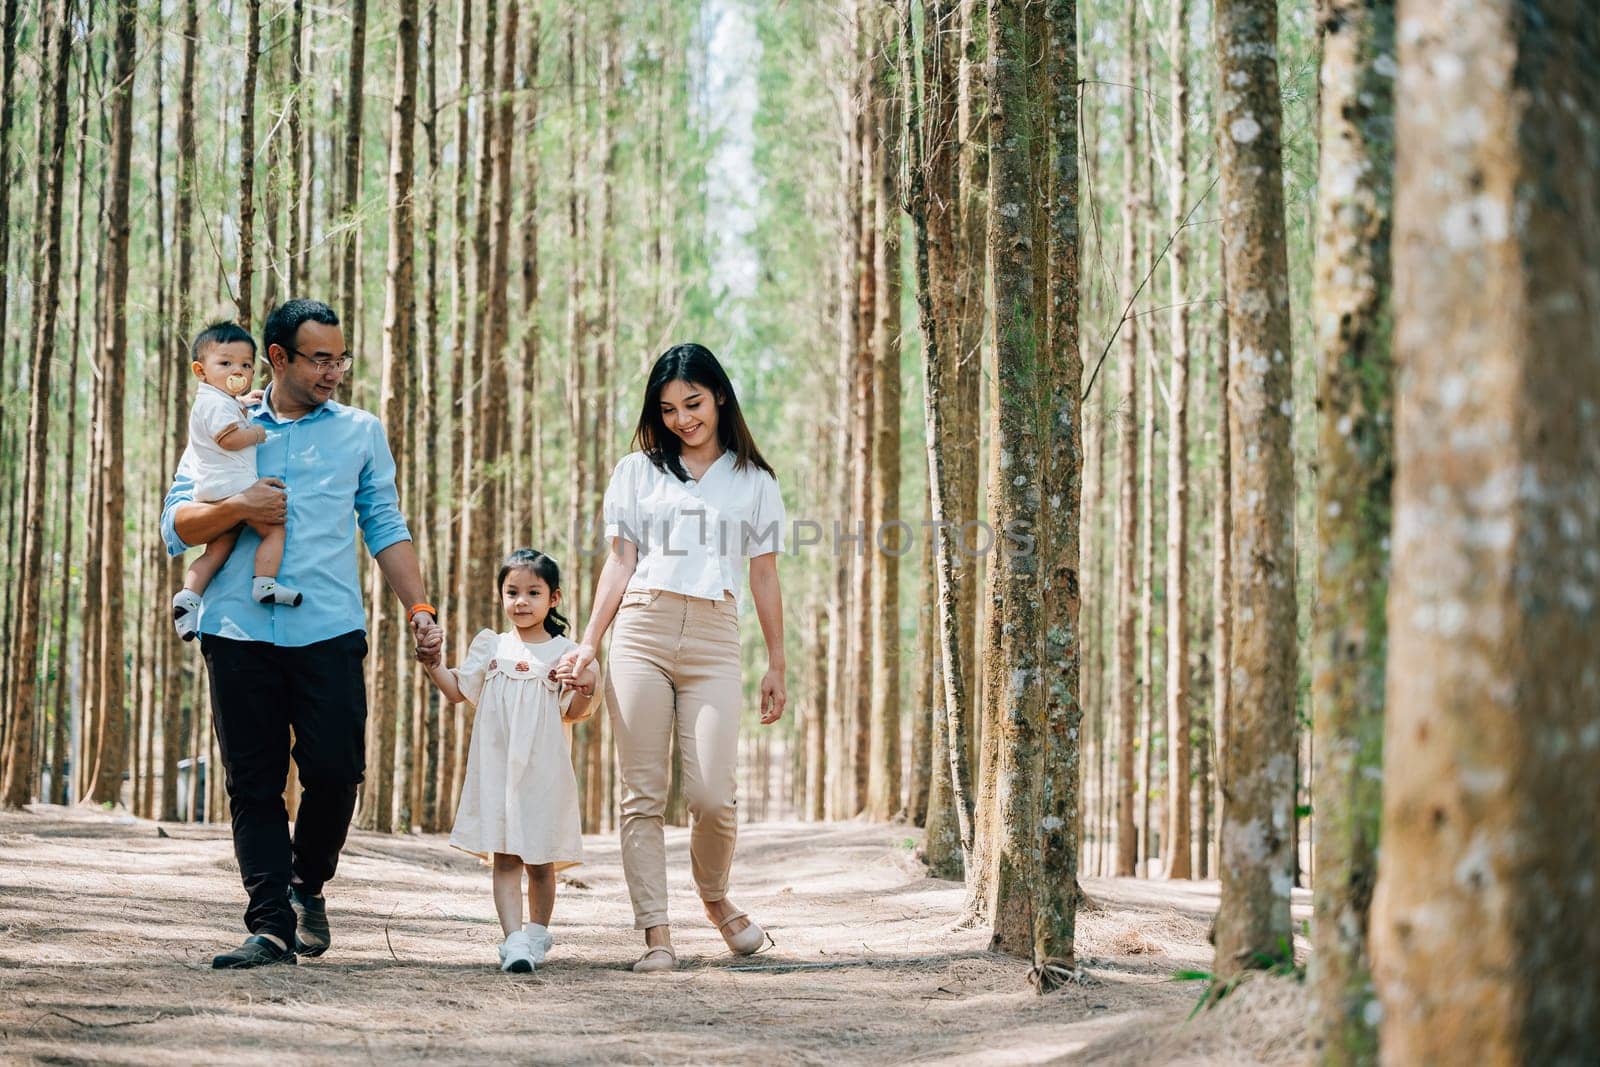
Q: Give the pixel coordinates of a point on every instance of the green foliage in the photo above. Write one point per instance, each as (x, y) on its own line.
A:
(1280, 963)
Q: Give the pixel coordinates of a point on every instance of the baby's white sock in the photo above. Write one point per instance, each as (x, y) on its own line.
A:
(186, 614)
(271, 591)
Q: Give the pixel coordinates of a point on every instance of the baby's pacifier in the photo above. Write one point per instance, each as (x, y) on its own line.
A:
(237, 383)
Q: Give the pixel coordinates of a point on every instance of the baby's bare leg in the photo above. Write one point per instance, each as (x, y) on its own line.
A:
(269, 554)
(269, 557)
(209, 562)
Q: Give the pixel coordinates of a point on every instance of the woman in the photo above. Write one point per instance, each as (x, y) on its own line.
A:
(683, 513)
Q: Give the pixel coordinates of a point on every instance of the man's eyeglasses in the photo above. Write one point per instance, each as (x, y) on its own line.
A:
(339, 364)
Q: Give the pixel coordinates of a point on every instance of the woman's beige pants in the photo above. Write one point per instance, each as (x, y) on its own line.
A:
(674, 665)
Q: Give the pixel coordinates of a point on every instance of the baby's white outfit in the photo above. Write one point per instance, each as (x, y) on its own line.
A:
(520, 796)
(217, 472)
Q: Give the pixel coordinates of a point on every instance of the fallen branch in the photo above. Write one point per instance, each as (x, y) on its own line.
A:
(101, 1026)
(873, 961)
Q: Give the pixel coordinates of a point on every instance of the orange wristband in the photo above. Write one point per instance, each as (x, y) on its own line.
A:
(417, 609)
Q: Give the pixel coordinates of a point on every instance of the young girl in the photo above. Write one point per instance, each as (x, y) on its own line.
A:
(221, 456)
(519, 803)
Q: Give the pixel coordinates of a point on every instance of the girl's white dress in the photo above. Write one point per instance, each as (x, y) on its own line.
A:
(520, 796)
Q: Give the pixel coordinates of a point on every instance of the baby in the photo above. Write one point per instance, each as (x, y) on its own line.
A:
(221, 458)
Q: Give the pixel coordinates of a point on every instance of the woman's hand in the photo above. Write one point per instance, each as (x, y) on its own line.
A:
(574, 664)
(773, 696)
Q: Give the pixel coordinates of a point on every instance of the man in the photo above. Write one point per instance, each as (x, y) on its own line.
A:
(325, 467)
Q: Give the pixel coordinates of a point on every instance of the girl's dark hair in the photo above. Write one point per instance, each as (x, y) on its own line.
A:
(541, 566)
(696, 365)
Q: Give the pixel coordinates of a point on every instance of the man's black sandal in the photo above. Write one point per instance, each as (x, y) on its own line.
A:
(257, 951)
(311, 937)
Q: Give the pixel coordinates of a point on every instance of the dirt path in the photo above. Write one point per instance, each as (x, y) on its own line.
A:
(107, 929)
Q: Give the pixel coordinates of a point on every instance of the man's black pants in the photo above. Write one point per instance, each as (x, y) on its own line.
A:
(258, 691)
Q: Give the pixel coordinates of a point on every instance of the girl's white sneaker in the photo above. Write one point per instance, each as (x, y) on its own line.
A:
(515, 954)
(539, 941)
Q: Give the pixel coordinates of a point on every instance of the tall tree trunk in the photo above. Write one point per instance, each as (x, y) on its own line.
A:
(1125, 694)
(530, 506)
(1355, 464)
(1222, 569)
(21, 757)
(1483, 933)
(1016, 129)
(399, 351)
(8, 70)
(971, 272)
(463, 389)
(183, 214)
(111, 739)
(859, 674)
(61, 739)
(884, 771)
(1060, 826)
(931, 169)
(355, 74)
(299, 173)
(1179, 743)
(247, 164)
(1252, 927)
(840, 609)
(816, 755)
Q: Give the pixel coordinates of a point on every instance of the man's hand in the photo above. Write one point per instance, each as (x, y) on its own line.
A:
(265, 503)
(429, 638)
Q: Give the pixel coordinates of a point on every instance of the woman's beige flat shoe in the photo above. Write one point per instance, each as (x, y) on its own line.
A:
(656, 958)
(746, 941)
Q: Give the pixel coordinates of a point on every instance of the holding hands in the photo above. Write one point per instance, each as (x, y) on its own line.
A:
(428, 636)
(576, 673)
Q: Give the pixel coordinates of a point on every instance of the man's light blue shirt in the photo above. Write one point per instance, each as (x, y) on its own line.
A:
(336, 462)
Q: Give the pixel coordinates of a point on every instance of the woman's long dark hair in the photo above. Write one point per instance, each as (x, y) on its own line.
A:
(695, 365)
(541, 566)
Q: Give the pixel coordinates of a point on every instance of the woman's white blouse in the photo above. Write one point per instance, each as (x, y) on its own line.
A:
(694, 536)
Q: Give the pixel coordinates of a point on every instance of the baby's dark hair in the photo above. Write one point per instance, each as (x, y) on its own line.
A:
(541, 566)
(221, 332)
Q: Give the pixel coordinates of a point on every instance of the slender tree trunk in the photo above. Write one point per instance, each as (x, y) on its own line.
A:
(299, 175)
(21, 757)
(8, 70)
(1355, 463)
(463, 391)
(247, 164)
(1252, 927)
(1125, 688)
(859, 675)
(1016, 130)
(930, 167)
(1060, 825)
(888, 543)
(1179, 742)
(530, 507)
(1483, 935)
(349, 313)
(816, 755)
(399, 350)
(111, 740)
(840, 609)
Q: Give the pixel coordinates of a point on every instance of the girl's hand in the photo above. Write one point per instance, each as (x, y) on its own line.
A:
(574, 663)
(773, 696)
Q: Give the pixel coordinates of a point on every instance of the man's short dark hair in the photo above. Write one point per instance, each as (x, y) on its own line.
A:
(221, 333)
(283, 325)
